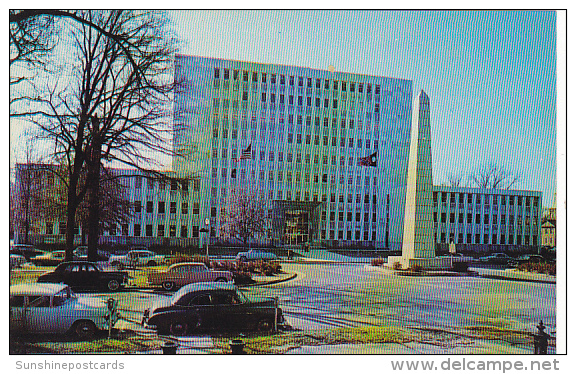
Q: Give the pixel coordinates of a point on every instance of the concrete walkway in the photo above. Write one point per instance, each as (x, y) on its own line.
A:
(325, 256)
(513, 274)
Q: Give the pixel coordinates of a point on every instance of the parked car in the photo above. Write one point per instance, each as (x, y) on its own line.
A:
(49, 258)
(54, 308)
(81, 254)
(498, 259)
(181, 274)
(16, 261)
(85, 275)
(137, 258)
(531, 259)
(212, 305)
(254, 254)
(26, 250)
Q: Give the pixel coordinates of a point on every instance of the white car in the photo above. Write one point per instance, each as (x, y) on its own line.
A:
(137, 258)
(254, 254)
(54, 308)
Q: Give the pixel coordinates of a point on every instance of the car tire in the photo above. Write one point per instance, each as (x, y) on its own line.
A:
(118, 265)
(168, 286)
(84, 330)
(178, 328)
(221, 280)
(151, 263)
(113, 285)
(265, 325)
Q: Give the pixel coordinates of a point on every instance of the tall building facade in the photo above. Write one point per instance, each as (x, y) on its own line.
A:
(307, 130)
(485, 220)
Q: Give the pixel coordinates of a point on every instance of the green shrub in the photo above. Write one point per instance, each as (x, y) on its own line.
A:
(538, 267)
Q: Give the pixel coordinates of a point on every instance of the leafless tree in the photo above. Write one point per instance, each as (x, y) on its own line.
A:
(115, 207)
(493, 177)
(455, 180)
(116, 108)
(246, 216)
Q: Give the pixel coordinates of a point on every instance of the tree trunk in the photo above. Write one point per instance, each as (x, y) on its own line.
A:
(93, 181)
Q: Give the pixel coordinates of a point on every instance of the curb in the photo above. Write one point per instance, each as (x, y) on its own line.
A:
(474, 274)
(275, 281)
(501, 277)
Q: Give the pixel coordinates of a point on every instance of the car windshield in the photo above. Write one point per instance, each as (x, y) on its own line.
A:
(63, 297)
(178, 295)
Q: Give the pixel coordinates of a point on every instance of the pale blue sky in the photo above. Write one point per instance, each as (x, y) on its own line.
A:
(491, 76)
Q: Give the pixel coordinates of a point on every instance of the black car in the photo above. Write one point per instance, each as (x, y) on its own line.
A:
(533, 259)
(26, 250)
(212, 305)
(85, 275)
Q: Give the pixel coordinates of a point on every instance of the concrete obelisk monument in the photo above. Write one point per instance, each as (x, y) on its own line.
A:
(418, 242)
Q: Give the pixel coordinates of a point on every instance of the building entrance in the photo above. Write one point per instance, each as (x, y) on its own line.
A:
(297, 222)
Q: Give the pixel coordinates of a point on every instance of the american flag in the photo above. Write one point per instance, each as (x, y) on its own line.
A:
(246, 153)
(368, 160)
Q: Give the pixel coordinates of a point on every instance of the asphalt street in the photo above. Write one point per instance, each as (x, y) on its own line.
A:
(347, 295)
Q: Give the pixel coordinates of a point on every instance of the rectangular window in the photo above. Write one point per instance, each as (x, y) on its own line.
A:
(148, 230)
(137, 230)
(161, 207)
(184, 231)
(137, 206)
(184, 208)
(150, 206)
(172, 207)
(172, 230)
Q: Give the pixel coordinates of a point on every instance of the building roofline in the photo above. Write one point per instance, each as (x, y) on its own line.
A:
(486, 191)
(294, 66)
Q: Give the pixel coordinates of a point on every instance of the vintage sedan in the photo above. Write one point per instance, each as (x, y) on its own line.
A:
(84, 275)
(212, 305)
(137, 258)
(254, 255)
(181, 274)
(54, 308)
(26, 250)
(50, 258)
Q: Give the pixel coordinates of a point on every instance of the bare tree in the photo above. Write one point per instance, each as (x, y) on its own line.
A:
(455, 180)
(114, 204)
(246, 216)
(493, 177)
(117, 109)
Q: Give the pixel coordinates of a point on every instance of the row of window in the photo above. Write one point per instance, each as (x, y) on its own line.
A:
(161, 207)
(295, 80)
(494, 199)
(300, 119)
(174, 184)
(476, 239)
(511, 219)
(357, 235)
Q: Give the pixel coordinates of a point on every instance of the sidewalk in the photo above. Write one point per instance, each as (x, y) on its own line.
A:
(505, 274)
(513, 274)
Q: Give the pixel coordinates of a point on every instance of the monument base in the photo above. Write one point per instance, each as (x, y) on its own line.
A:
(429, 263)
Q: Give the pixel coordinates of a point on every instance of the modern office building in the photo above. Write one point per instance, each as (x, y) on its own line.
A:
(307, 131)
(487, 220)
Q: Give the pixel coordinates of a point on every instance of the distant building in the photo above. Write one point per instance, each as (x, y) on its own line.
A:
(487, 220)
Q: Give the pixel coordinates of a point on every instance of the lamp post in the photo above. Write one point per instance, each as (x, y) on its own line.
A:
(207, 231)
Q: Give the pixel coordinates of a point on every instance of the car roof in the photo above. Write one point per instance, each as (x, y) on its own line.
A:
(188, 263)
(45, 289)
(207, 286)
